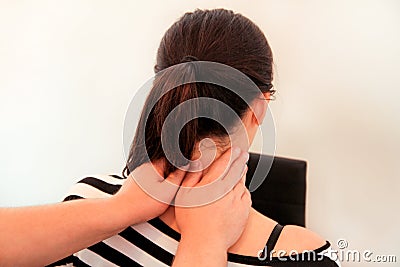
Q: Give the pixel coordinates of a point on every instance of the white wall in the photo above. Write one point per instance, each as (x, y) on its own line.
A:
(68, 70)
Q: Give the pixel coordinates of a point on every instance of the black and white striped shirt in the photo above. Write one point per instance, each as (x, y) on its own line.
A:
(152, 243)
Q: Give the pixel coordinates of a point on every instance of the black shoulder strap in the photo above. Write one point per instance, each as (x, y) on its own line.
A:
(273, 238)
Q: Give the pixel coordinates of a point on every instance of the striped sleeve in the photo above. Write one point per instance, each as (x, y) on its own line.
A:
(97, 186)
(131, 247)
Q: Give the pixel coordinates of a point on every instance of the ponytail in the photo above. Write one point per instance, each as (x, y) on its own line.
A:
(157, 109)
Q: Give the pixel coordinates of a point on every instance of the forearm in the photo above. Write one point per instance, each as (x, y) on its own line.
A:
(192, 252)
(36, 236)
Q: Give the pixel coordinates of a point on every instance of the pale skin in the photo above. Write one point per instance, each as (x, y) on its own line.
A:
(258, 227)
(36, 236)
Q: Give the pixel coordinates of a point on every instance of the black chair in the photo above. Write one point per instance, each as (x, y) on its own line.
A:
(282, 195)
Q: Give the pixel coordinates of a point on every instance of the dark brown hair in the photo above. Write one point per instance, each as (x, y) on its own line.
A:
(216, 35)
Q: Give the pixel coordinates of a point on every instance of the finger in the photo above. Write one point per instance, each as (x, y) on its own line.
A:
(242, 196)
(237, 170)
(241, 184)
(193, 178)
(221, 165)
(243, 179)
(149, 177)
(246, 201)
(239, 190)
(246, 195)
(177, 176)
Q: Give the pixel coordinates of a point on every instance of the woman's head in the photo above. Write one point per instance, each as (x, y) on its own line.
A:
(217, 35)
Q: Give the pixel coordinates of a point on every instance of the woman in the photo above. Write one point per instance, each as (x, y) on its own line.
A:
(224, 37)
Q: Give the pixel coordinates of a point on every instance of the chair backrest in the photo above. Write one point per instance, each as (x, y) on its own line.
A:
(282, 195)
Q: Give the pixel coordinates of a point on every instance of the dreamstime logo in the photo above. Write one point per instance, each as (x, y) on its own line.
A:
(342, 243)
(197, 72)
(342, 254)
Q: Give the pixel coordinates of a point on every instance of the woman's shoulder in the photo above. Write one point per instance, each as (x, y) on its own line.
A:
(292, 240)
(297, 238)
(292, 237)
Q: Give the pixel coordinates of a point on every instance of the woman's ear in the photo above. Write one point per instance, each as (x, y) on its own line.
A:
(259, 107)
